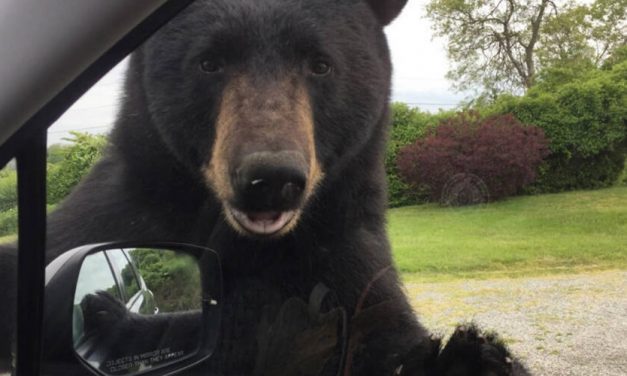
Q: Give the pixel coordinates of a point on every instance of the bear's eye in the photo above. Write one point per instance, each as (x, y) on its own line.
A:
(320, 68)
(210, 66)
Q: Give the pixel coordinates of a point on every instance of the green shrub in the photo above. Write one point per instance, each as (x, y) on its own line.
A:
(174, 278)
(408, 125)
(8, 189)
(586, 122)
(622, 180)
(67, 164)
(8, 202)
(469, 159)
(57, 152)
(77, 161)
(8, 222)
(565, 173)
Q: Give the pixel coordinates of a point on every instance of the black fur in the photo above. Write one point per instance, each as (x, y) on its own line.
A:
(471, 352)
(149, 185)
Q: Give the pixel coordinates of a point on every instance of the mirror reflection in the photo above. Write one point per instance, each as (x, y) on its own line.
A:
(136, 309)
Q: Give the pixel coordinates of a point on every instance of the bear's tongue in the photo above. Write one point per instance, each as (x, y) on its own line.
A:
(270, 216)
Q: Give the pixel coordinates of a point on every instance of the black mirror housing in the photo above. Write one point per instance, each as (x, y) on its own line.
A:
(147, 351)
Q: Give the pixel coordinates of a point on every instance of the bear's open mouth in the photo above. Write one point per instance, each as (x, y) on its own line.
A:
(263, 223)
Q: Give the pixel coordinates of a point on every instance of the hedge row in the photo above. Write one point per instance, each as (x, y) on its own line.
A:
(8, 189)
(586, 122)
(8, 220)
(583, 114)
(408, 125)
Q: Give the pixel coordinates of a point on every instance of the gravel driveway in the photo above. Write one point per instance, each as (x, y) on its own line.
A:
(572, 324)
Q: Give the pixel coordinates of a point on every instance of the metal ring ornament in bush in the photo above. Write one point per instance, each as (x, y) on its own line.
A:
(464, 189)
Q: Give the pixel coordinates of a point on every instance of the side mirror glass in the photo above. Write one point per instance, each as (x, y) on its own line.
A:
(138, 309)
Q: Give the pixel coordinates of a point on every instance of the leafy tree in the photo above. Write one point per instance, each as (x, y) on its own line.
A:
(617, 56)
(583, 34)
(77, 160)
(500, 45)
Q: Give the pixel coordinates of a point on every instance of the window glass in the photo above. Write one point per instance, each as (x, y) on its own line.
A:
(126, 270)
(95, 275)
(568, 247)
(8, 203)
(8, 259)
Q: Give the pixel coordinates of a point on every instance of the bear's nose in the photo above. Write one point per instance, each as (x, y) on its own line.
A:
(270, 182)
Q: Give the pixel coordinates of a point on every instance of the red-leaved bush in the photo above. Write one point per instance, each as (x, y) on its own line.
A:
(469, 160)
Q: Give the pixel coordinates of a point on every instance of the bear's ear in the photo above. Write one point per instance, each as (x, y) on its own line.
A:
(386, 10)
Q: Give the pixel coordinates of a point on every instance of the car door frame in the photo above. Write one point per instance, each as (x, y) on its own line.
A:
(27, 143)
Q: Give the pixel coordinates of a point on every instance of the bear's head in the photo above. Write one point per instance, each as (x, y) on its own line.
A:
(265, 99)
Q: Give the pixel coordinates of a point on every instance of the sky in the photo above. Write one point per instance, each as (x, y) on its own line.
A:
(420, 65)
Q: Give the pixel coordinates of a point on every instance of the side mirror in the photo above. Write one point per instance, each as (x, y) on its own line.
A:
(130, 308)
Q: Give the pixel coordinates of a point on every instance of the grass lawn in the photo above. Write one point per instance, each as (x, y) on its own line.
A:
(550, 233)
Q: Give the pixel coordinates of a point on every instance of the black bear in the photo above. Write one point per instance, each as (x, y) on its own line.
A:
(257, 128)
